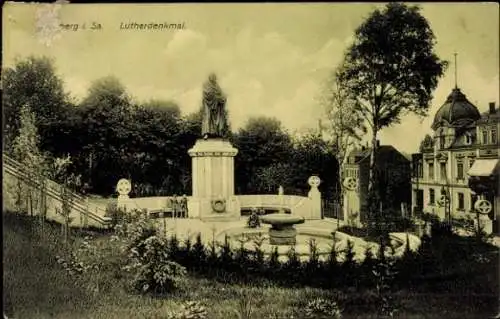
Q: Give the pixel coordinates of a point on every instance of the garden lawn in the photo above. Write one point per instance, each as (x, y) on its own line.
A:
(35, 286)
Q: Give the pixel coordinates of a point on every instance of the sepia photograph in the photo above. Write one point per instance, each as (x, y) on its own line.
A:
(251, 160)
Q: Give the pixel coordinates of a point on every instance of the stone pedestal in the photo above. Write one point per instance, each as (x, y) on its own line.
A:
(285, 235)
(213, 180)
(123, 202)
(315, 197)
(282, 231)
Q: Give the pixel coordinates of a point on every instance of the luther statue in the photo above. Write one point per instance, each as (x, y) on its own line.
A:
(214, 123)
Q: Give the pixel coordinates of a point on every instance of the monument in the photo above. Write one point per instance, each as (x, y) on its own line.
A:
(212, 159)
(123, 187)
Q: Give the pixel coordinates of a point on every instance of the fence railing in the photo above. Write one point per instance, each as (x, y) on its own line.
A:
(80, 203)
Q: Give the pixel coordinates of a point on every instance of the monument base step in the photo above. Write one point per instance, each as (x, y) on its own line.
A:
(220, 218)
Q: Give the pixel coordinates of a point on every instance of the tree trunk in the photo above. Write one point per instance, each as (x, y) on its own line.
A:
(30, 201)
(373, 205)
(373, 154)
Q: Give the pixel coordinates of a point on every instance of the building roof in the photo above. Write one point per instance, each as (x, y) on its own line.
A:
(385, 153)
(489, 117)
(456, 111)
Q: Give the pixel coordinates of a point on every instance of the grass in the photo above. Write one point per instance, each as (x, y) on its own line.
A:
(35, 286)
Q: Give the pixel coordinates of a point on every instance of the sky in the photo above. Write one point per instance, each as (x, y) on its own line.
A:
(270, 59)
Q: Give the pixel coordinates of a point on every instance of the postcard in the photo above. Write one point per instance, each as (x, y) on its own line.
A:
(250, 160)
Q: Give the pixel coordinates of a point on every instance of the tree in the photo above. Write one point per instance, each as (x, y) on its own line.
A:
(261, 143)
(391, 69)
(26, 150)
(345, 126)
(106, 114)
(268, 179)
(31, 82)
(69, 183)
(426, 143)
(313, 155)
(156, 151)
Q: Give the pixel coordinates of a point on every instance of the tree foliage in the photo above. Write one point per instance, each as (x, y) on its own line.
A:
(345, 127)
(262, 142)
(313, 155)
(391, 68)
(26, 149)
(31, 82)
(111, 136)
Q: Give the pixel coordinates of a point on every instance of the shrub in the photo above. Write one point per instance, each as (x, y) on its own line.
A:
(293, 267)
(134, 228)
(198, 253)
(320, 308)
(258, 260)
(313, 265)
(116, 214)
(173, 247)
(349, 255)
(226, 254)
(154, 270)
(273, 263)
(384, 273)
(149, 257)
(242, 256)
(367, 267)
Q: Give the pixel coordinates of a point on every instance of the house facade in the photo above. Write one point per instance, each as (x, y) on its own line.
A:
(394, 175)
(457, 167)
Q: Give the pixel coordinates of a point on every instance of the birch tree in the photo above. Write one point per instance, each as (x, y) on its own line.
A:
(344, 127)
(26, 150)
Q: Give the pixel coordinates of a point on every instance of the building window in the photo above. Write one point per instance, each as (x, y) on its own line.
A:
(461, 205)
(460, 171)
(493, 136)
(441, 141)
(432, 196)
(485, 137)
(443, 171)
(468, 139)
(431, 171)
(420, 170)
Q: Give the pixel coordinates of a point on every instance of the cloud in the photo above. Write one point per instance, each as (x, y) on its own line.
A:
(186, 43)
(272, 67)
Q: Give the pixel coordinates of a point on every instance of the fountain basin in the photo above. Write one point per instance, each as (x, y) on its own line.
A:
(281, 219)
(282, 231)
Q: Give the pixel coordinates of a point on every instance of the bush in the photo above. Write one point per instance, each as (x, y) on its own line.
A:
(293, 267)
(150, 257)
(384, 274)
(198, 253)
(116, 214)
(154, 270)
(322, 309)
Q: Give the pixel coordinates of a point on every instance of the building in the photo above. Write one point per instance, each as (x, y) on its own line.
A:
(458, 165)
(394, 176)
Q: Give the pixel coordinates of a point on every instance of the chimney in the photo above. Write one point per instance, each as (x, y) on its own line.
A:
(492, 108)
